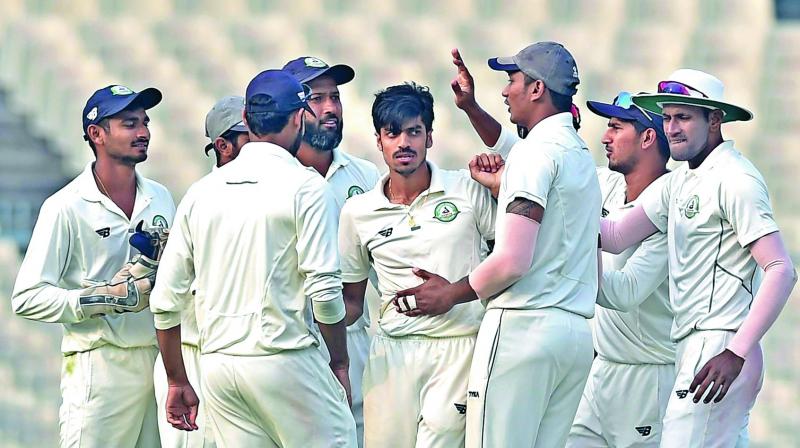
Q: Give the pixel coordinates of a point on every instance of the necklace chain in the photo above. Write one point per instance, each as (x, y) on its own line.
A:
(102, 187)
(411, 222)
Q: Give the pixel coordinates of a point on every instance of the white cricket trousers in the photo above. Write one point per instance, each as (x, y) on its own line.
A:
(108, 398)
(622, 406)
(688, 424)
(288, 399)
(415, 391)
(527, 376)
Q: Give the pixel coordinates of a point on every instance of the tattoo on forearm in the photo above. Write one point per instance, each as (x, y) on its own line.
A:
(526, 208)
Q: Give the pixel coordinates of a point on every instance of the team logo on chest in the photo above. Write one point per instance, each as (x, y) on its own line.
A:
(354, 190)
(446, 211)
(692, 207)
(160, 221)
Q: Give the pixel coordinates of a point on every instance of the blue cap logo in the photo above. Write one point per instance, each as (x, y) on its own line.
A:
(121, 90)
(314, 62)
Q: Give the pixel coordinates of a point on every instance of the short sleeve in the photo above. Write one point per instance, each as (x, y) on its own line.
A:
(354, 256)
(744, 202)
(485, 206)
(529, 174)
(655, 202)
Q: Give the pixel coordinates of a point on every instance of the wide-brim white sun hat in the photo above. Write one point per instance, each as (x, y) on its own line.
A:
(692, 88)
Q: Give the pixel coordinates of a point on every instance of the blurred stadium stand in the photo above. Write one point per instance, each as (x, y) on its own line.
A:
(54, 54)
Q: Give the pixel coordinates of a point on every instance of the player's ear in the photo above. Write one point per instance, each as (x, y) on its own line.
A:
(222, 146)
(715, 120)
(648, 138)
(536, 89)
(244, 118)
(429, 139)
(378, 142)
(95, 133)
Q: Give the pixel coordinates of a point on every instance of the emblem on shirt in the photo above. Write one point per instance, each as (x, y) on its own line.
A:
(354, 190)
(692, 207)
(604, 212)
(461, 408)
(160, 221)
(644, 430)
(682, 393)
(104, 232)
(446, 211)
(386, 232)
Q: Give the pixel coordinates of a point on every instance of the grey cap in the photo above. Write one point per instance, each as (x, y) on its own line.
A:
(549, 62)
(226, 115)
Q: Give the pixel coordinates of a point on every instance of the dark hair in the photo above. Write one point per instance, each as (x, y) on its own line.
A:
(262, 122)
(663, 146)
(562, 103)
(231, 136)
(105, 123)
(399, 103)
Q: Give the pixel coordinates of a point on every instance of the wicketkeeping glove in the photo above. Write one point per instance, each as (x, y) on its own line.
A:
(129, 289)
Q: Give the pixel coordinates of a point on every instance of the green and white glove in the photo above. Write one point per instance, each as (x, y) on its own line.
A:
(129, 289)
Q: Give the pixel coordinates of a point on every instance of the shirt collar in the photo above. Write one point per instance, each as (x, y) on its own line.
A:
(378, 199)
(721, 152)
(255, 152)
(340, 160)
(87, 186)
(559, 120)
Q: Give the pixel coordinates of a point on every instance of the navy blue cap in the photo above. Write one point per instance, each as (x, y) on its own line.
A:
(281, 92)
(631, 113)
(113, 99)
(307, 68)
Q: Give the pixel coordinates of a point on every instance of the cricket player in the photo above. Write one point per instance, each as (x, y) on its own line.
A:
(346, 175)
(540, 283)
(720, 230)
(631, 327)
(256, 237)
(77, 272)
(228, 134)
(418, 219)
(225, 129)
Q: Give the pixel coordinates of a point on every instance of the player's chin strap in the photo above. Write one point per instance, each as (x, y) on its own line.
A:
(129, 289)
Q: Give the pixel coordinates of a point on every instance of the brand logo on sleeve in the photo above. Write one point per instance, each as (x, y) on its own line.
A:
(386, 232)
(682, 393)
(644, 430)
(461, 408)
(446, 211)
(354, 190)
(104, 232)
(692, 207)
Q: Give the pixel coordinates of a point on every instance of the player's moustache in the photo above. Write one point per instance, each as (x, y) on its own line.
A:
(140, 142)
(405, 151)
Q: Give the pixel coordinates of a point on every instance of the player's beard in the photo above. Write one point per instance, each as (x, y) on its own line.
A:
(321, 139)
(297, 141)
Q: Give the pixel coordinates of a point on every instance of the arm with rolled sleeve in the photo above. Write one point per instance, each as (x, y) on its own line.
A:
(172, 290)
(36, 294)
(530, 178)
(318, 251)
(643, 273)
